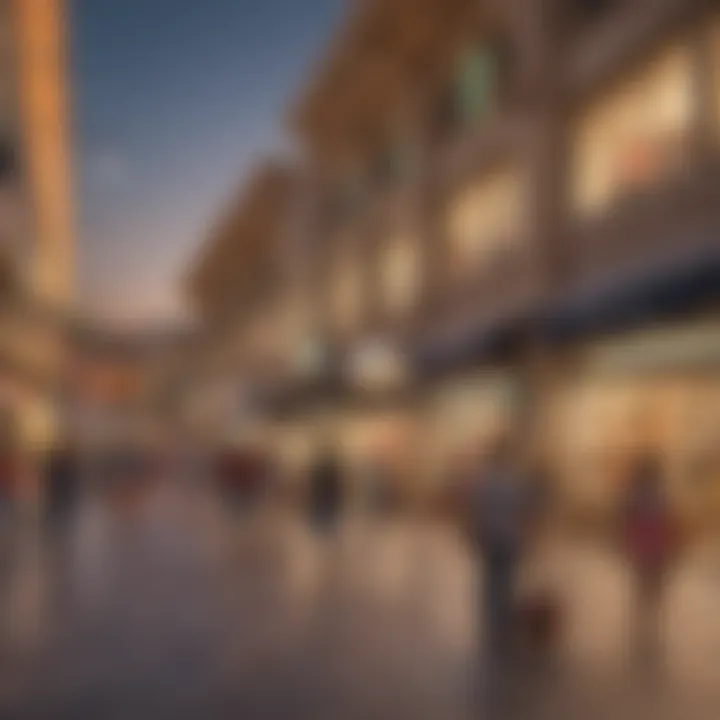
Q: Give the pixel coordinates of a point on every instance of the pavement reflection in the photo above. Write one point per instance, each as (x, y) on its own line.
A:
(168, 605)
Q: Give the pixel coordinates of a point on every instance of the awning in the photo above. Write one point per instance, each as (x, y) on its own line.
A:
(655, 293)
(486, 342)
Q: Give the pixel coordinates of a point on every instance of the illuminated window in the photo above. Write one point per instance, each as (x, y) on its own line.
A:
(636, 135)
(400, 274)
(485, 220)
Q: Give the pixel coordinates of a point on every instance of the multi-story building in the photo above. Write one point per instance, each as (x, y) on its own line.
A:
(392, 129)
(515, 215)
(36, 227)
(237, 289)
(508, 219)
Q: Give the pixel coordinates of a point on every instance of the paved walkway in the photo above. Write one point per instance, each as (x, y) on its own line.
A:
(172, 608)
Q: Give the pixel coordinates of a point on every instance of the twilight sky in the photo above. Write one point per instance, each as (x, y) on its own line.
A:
(175, 100)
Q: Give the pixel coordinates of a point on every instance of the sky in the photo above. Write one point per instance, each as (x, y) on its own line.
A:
(174, 101)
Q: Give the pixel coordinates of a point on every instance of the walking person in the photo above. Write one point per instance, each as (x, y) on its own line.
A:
(326, 493)
(499, 509)
(8, 479)
(325, 507)
(650, 535)
(62, 483)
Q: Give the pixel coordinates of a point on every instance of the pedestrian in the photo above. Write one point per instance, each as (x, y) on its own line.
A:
(499, 507)
(62, 483)
(8, 477)
(326, 492)
(650, 534)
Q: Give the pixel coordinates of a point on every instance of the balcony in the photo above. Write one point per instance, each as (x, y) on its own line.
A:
(670, 223)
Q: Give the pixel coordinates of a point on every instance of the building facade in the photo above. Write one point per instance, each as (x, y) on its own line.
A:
(508, 219)
(36, 218)
(240, 293)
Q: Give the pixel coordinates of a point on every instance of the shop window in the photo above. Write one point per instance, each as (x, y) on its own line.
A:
(466, 416)
(485, 221)
(636, 135)
(400, 274)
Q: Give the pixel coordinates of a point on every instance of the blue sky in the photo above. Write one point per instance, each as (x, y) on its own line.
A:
(174, 102)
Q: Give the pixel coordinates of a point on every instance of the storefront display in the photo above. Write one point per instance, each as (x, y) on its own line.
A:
(379, 445)
(485, 220)
(636, 135)
(466, 416)
(652, 393)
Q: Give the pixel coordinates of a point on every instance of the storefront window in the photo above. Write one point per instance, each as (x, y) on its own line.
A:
(467, 417)
(400, 272)
(655, 393)
(485, 221)
(636, 135)
(377, 448)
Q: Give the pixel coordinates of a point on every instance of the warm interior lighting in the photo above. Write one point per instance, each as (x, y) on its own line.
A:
(635, 135)
(484, 221)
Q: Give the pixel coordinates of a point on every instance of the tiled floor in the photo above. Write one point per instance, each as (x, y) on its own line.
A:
(173, 608)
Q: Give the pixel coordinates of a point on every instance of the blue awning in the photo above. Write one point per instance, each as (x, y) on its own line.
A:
(483, 343)
(653, 294)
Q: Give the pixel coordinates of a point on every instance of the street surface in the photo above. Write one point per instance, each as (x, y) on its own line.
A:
(168, 605)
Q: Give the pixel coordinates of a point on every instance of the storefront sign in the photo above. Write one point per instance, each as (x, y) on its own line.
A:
(690, 347)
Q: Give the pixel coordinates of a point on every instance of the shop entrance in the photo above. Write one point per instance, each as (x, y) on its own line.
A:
(655, 392)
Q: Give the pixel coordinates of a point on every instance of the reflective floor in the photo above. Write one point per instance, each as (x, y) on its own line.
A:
(166, 605)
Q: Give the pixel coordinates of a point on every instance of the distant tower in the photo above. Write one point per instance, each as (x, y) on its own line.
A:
(40, 37)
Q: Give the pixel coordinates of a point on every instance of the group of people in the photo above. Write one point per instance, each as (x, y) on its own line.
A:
(58, 478)
(328, 489)
(504, 507)
(243, 477)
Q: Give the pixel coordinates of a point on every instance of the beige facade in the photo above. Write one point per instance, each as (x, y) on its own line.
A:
(245, 306)
(44, 110)
(39, 232)
(474, 166)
